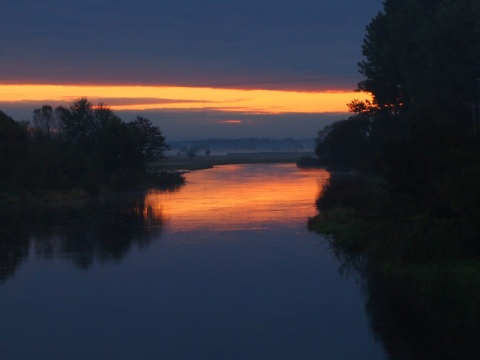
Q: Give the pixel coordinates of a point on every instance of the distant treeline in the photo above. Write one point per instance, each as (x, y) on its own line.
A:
(244, 145)
(82, 147)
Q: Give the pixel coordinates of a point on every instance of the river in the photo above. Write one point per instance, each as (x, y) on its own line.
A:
(222, 268)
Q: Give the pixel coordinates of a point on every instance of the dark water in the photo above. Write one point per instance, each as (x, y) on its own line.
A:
(223, 268)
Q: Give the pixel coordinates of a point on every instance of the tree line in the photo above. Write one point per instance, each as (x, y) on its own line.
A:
(412, 213)
(420, 133)
(81, 147)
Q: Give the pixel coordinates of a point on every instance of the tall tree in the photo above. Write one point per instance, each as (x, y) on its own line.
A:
(45, 120)
(148, 138)
(423, 53)
(13, 149)
(78, 122)
(421, 65)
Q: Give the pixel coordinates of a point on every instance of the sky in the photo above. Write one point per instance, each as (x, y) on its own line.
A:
(197, 69)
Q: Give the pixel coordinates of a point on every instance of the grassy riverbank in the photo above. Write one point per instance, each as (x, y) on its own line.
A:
(426, 259)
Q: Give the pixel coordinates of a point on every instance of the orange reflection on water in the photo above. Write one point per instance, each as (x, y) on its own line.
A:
(237, 197)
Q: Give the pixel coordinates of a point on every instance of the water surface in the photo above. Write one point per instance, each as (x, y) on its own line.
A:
(223, 268)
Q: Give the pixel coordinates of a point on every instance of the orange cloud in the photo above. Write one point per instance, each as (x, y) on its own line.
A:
(234, 122)
(168, 97)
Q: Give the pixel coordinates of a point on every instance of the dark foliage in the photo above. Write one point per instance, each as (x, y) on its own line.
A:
(420, 133)
(308, 162)
(14, 143)
(419, 229)
(82, 147)
(149, 140)
(344, 143)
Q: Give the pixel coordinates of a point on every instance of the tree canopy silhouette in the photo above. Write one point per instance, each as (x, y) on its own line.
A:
(83, 146)
(419, 135)
(420, 141)
(422, 66)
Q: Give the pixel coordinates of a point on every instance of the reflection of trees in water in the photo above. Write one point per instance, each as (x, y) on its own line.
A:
(100, 231)
(14, 245)
(404, 331)
(413, 326)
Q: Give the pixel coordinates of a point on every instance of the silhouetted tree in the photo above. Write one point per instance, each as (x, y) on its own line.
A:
(45, 120)
(345, 143)
(78, 122)
(95, 149)
(422, 54)
(148, 138)
(421, 62)
(13, 150)
(421, 65)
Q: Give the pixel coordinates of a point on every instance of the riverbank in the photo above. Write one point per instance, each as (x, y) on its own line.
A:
(167, 174)
(163, 179)
(421, 256)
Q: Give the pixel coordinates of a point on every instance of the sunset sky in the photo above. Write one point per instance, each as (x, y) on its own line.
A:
(263, 68)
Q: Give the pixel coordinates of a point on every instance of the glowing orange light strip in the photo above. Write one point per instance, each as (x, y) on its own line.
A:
(168, 97)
